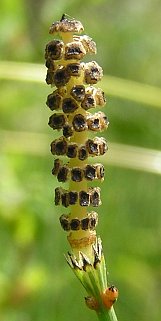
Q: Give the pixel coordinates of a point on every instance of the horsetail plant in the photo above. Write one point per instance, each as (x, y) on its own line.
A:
(74, 95)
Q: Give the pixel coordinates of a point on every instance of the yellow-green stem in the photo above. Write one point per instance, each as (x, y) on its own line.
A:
(105, 315)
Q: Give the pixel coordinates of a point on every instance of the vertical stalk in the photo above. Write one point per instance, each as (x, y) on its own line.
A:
(76, 93)
(103, 315)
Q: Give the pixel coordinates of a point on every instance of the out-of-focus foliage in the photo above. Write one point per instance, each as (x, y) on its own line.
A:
(35, 282)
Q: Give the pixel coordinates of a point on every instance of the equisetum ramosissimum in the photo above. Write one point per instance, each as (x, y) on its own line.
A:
(75, 93)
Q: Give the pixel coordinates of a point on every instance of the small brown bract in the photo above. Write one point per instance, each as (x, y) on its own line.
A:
(74, 50)
(54, 50)
(54, 100)
(66, 25)
(93, 72)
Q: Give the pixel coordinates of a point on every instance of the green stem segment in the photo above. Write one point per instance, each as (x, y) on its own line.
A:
(107, 315)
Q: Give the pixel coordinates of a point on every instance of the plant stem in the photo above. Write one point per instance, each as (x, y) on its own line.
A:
(107, 315)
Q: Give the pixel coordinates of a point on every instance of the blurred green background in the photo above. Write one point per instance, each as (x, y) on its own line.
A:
(35, 282)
